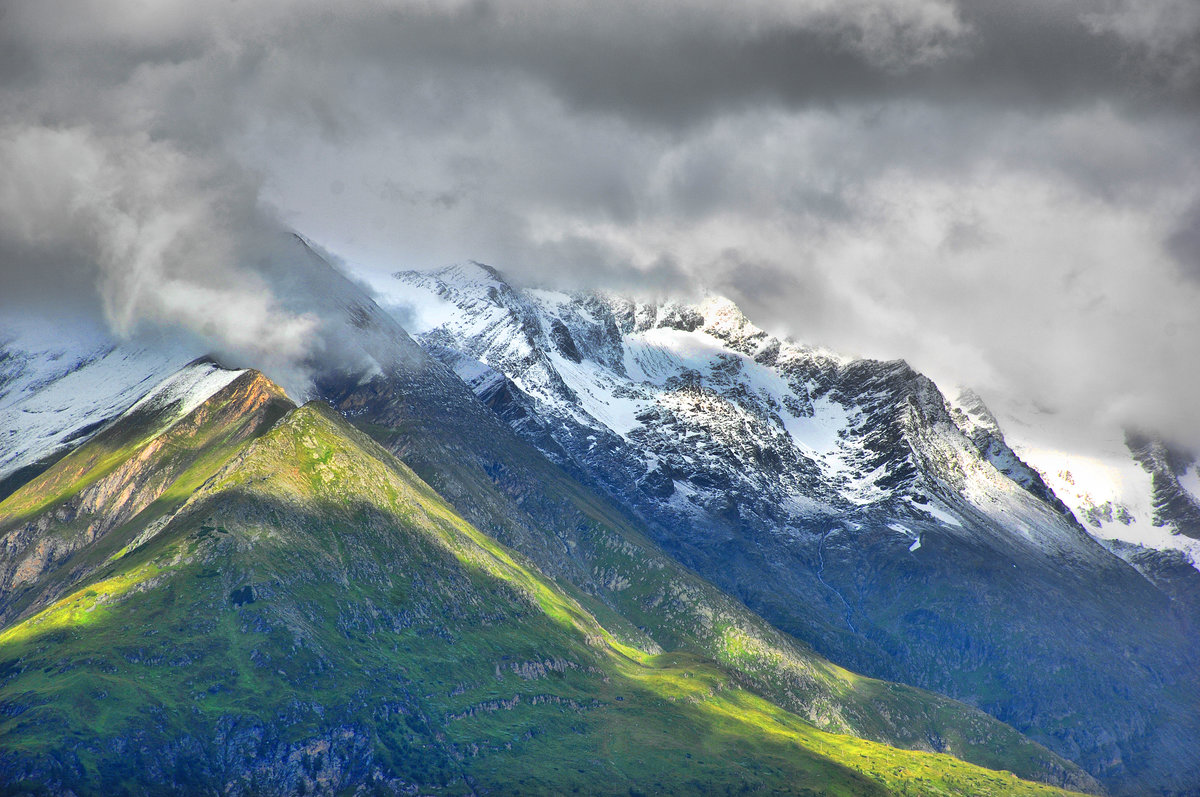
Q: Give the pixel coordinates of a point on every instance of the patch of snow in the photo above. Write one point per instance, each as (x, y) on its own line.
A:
(1085, 466)
(859, 489)
(1190, 481)
(916, 544)
(551, 300)
(594, 387)
(478, 376)
(938, 513)
(1085, 483)
(821, 434)
(187, 389)
(1109, 492)
(415, 309)
(663, 352)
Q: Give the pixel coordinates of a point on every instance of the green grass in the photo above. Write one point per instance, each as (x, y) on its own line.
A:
(113, 489)
(316, 614)
(603, 560)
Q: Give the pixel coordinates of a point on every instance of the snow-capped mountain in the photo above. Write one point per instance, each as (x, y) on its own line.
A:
(215, 544)
(700, 414)
(663, 390)
(847, 501)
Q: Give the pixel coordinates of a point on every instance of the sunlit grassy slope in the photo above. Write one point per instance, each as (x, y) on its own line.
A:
(315, 617)
(605, 561)
(97, 500)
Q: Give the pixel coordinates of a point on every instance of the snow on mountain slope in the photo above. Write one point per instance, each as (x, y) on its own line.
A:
(60, 380)
(184, 391)
(1130, 497)
(1190, 481)
(701, 414)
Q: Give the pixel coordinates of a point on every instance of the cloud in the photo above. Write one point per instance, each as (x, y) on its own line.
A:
(1004, 193)
(160, 237)
(1165, 35)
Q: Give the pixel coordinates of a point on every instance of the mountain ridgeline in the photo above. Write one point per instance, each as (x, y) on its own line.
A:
(565, 544)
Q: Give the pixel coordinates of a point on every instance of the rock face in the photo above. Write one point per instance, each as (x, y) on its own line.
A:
(847, 501)
(1175, 506)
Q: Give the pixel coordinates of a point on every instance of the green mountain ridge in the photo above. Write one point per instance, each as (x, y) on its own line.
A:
(286, 608)
(142, 466)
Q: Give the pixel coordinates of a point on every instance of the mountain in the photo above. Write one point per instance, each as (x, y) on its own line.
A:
(221, 592)
(423, 413)
(60, 379)
(62, 525)
(846, 501)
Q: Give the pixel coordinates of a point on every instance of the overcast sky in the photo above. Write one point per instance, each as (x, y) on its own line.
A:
(1005, 193)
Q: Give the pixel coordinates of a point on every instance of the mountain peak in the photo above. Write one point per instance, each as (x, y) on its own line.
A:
(466, 274)
(795, 479)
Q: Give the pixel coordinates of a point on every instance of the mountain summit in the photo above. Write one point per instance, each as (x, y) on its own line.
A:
(847, 501)
(223, 593)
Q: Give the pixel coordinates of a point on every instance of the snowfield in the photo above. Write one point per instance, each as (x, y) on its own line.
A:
(698, 413)
(59, 380)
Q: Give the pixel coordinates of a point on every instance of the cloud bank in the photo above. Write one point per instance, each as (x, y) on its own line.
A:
(1005, 194)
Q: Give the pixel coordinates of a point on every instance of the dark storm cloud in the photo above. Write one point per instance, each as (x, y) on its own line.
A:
(671, 67)
(1017, 54)
(1184, 242)
(905, 178)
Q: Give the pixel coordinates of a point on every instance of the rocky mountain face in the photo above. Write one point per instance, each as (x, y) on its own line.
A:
(846, 501)
(1174, 479)
(245, 597)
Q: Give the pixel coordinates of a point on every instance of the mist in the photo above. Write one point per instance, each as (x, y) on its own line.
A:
(1005, 195)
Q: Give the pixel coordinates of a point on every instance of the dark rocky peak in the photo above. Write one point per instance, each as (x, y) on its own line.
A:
(560, 336)
(1175, 507)
(673, 315)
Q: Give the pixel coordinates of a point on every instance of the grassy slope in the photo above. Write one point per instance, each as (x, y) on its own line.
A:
(316, 616)
(599, 556)
(69, 520)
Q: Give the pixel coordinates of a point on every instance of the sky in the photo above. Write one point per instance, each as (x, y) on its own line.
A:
(1007, 194)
